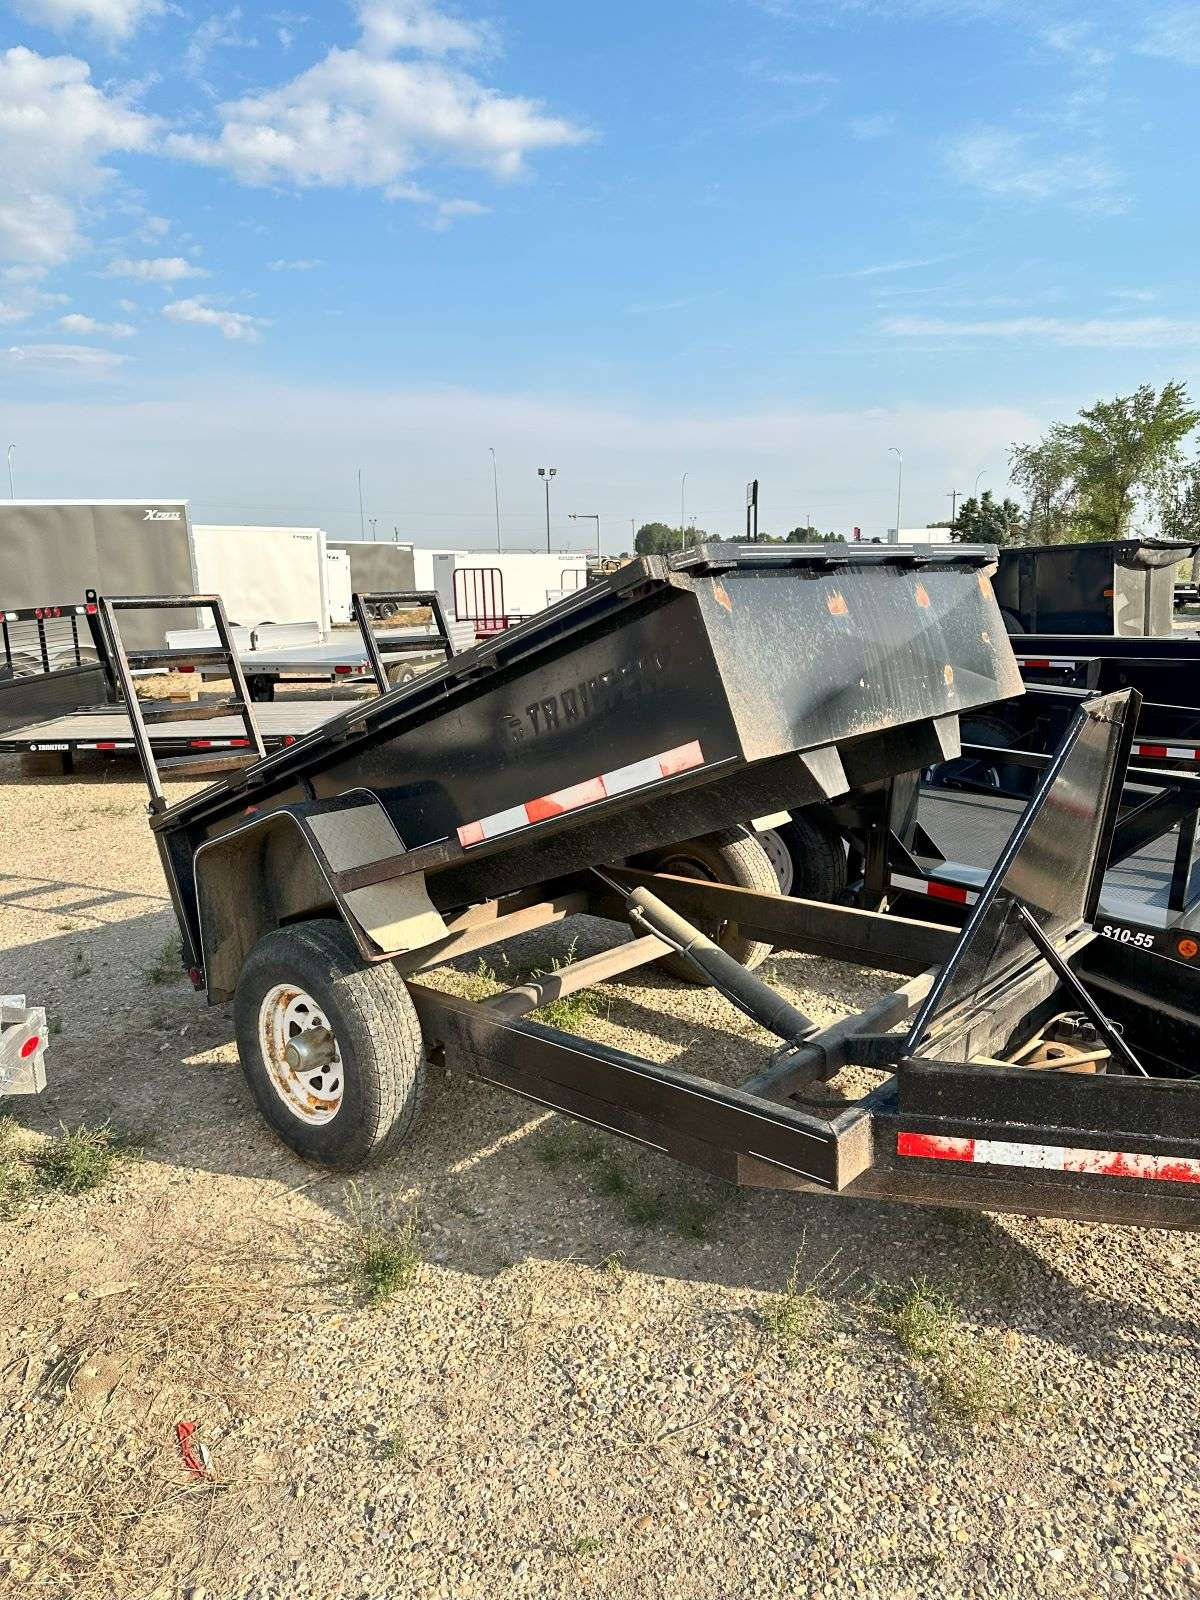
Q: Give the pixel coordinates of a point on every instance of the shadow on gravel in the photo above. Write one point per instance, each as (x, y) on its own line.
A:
(497, 1185)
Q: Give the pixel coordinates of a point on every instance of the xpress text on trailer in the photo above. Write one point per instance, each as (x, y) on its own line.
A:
(315, 885)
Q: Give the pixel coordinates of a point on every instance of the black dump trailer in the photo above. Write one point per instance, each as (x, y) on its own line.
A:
(1124, 586)
(596, 760)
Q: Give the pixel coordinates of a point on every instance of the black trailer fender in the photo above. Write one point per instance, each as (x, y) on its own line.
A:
(284, 867)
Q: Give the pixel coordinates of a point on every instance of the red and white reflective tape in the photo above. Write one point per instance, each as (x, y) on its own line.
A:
(935, 891)
(107, 744)
(1049, 1157)
(1168, 752)
(590, 792)
(1051, 661)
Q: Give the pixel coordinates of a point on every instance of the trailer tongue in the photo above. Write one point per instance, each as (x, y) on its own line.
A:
(556, 769)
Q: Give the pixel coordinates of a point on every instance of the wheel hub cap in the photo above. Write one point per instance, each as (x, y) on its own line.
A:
(301, 1054)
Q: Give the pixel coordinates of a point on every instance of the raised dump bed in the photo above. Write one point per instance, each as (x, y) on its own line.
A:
(554, 772)
(667, 702)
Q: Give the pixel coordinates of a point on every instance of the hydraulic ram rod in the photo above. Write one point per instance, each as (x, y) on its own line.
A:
(750, 994)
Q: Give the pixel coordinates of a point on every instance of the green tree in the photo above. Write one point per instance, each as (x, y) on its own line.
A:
(1126, 448)
(1086, 479)
(1046, 473)
(660, 539)
(987, 521)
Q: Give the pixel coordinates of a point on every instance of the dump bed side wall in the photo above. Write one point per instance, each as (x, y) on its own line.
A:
(893, 646)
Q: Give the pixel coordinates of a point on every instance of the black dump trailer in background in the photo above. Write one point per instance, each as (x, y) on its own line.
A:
(1124, 586)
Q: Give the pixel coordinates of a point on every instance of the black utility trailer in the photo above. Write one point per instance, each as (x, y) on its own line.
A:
(1122, 586)
(556, 769)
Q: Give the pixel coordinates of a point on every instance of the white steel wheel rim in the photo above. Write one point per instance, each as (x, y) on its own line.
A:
(313, 1095)
(780, 857)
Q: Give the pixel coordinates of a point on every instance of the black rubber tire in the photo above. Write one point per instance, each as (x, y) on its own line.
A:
(818, 858)
(979, 728)
(1013, 623)
(730, 856)
(378, 1034)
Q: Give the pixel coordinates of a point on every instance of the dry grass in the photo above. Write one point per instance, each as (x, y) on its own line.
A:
(973, 1386)
(121, 1513)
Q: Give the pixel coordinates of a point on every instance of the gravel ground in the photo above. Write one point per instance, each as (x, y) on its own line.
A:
(599, 1379)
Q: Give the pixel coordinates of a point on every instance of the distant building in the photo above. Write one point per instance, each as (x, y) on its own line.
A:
(919, 536)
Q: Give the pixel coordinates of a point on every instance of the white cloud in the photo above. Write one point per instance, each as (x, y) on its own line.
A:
(1008, 165)
(1174, 35)
(389, 26)
(298, 444)
(63, 358)
(304, 264)
(21, 295)
(232, 324)
(55, 130)
(1098, 333)
(76, 322)
(449, 211)
(156, 269)
(359, 118)
(885, 267)
(218, 32)
(116, 18)
(874, 127)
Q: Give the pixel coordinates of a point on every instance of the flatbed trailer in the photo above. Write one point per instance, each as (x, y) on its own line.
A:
(67, 665)
(315, 887)
(405, 652)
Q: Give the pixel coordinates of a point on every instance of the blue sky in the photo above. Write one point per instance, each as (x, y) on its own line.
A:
(245, 251)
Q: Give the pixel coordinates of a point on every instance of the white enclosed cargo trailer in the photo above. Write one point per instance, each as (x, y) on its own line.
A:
(491, 586)
(266, 574)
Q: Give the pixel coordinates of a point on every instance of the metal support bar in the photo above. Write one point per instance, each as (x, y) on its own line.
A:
(824, 1055)
(548, 986)
(841, 933)
(705, 1125)
(1111, 1035)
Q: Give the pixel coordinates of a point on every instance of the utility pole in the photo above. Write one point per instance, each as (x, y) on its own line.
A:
(589, 516)
(546, 473)
(373, 521)
(496, 493)
(953, 506)
(892, 451)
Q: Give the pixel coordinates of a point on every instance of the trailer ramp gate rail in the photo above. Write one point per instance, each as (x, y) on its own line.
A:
(403, 835)
(380, 604)
(248, 747)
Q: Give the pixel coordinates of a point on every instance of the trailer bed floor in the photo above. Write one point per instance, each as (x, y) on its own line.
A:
(93, 726)
(970, 830)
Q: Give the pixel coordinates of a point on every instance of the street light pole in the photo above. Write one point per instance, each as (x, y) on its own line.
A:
(9, 454)
(682, 514)
(496, 493)
(892, 451)
(589, 516)
(546, 473)
(979, 475)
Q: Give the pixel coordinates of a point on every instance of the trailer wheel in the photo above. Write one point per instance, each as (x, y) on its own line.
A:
(330, 1046)
(818, 858)
(977, 771)
(729, 856)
